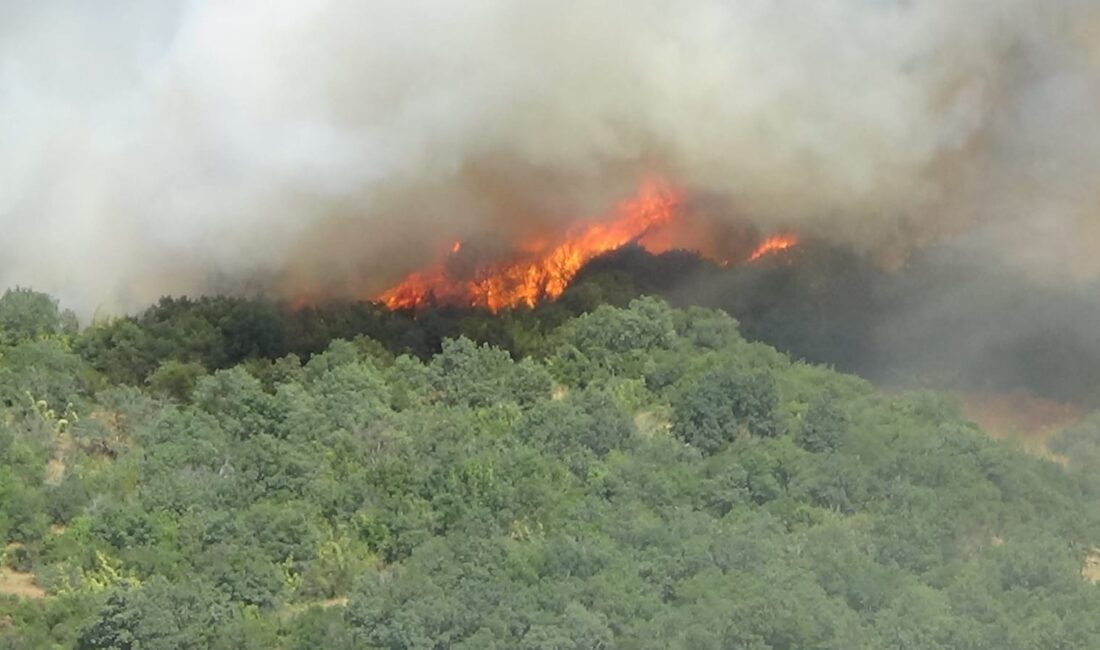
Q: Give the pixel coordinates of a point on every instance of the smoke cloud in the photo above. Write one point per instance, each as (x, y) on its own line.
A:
(185, 146)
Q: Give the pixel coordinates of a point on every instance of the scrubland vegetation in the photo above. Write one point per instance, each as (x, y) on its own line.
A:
(223, 473)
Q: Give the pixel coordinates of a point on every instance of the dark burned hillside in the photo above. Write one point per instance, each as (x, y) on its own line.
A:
(219, 473)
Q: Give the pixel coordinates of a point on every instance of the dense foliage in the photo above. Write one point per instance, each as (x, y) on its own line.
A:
(219, 473)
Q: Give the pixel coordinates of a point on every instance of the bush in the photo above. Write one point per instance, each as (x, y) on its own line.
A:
(718, 405)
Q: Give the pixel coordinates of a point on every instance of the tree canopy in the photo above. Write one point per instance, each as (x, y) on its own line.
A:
(220, 473)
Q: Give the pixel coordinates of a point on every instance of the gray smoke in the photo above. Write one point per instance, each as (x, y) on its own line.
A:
(183, 146)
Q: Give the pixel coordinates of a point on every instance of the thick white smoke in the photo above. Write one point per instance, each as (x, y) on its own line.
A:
(185, 146)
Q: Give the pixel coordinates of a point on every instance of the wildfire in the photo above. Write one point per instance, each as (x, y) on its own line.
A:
(542, 269)
(773, 244)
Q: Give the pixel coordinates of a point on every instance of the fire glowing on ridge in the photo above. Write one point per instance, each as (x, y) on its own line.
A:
(773, 244)
(542, 269)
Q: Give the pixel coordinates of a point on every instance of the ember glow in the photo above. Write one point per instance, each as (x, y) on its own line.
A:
(542, 269)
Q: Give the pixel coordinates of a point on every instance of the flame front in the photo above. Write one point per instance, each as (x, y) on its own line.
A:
(542, 269)
(773, 244)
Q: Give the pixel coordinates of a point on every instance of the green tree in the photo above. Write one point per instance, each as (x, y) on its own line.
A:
(158, 615)
(175, 379)
(27, 315)
(715, 407)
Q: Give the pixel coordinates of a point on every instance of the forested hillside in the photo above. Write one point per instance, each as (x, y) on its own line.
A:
(223, 473)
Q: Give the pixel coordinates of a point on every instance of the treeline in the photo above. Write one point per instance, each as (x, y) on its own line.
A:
(221, 332)
(222, 473)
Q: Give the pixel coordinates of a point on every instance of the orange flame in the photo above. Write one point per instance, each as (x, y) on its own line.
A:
(773, 244)
(541, 269)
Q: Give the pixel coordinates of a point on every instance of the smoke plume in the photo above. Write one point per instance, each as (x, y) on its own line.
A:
(331, 146)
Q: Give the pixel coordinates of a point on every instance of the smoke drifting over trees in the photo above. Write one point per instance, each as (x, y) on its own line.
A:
(196, 146)
(941, 321)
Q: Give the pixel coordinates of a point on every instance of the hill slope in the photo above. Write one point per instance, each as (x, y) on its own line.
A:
(643, 478)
